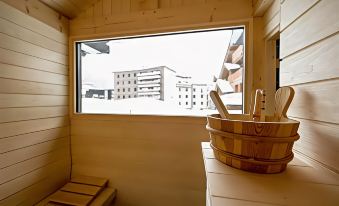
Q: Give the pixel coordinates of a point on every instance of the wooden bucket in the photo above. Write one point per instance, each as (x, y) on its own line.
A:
(262, 147)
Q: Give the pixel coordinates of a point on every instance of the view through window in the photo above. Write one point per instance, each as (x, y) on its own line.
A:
(167, 74)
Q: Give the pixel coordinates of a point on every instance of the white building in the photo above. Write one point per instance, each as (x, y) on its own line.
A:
(158, 83)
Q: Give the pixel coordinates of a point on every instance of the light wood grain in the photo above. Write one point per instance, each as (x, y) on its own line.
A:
(12, 14)
(149, 154)
(319, 142)
(28, 113)
(70, 198)
(96, 181)
(25, 140)
(316, 24)
(29, 100)
(316, 101)
(291, 10)
(22, 73)
(271, 18)
(105, 197)
(219, 105)
(22, 60)
(283, 99)
(29, 179)
(25, 34)
(9, 86)
(16, 156)
(318, 62)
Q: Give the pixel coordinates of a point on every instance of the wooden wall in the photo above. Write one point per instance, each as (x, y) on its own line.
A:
(34, 122)
(151, 160)
(309, 49)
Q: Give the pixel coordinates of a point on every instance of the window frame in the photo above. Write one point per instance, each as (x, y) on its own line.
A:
(247, 24)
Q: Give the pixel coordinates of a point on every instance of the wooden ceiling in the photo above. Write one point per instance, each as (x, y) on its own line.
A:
(69, 8)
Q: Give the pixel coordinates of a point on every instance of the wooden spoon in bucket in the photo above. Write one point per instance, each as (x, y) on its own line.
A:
(219, 105)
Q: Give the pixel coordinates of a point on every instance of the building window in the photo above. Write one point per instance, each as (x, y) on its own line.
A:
(166, 82)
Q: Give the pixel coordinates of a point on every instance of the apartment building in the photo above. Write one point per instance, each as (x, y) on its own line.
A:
(157, 82)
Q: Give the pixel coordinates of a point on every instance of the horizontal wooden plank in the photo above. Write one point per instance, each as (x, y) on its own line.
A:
(19, 18)
(81, 189)
(319, 141)
(27, 113)
(14, 171)
(272, 25)
(291, 10)
(22, 73)
(316, 101)
(17, 128)
(69, 198)
(25, 140)
(35, 192)
(31, 178)
(316, 24)
(105, 197)
(219, 201)
(271, 12)
(280, 191)
(25, 34)
(20, 155)
(26, 100)
(23, 60)
(10, 86)
(318, 62)
(97, 181)
(17, 45)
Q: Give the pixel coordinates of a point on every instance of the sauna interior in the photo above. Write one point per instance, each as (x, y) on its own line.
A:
(163, 160)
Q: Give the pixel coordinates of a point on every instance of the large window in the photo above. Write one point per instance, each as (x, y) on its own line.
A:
(166, 74)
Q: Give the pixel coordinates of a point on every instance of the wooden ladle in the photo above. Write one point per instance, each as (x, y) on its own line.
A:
(219, 105)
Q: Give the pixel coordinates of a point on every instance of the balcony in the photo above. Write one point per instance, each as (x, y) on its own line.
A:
(157, 76)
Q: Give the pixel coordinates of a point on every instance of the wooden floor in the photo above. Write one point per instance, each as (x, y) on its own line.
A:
(300, 184)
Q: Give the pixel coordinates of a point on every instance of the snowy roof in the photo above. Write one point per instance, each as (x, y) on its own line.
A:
(224, 86)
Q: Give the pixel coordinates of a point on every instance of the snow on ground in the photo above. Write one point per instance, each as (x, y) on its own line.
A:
(139, 106)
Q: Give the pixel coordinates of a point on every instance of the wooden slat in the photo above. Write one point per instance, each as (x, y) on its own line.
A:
(27, 100)
(81, 189)
(14, 30)
(18, 59)
(96, 181)
(280, 191)
(319, 141)
(318, 62)
(271, 18)
(29, 179)
(16, 16)
(27, 113)
(219, 201)
(9, 86)
(16, 156)
(70, 198)
(14, 44)
(64, 7)
(318, 23)
(35, 192)
(25, 140)
(22, 73)
(291, 10)
(320, 98)
(16, 128)
(104, 198)
(14, 171)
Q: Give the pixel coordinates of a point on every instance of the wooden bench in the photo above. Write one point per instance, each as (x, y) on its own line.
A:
(82, 191)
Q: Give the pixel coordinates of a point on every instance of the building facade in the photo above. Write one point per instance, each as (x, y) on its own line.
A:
(157, 82)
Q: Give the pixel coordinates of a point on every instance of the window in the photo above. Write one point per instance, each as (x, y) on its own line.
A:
(202, 103)
(156, 83)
